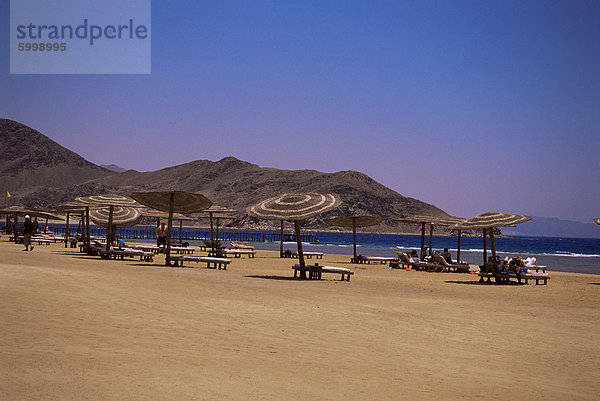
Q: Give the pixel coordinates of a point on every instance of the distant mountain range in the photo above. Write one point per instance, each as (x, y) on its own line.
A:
(553, 227)
(40, 173)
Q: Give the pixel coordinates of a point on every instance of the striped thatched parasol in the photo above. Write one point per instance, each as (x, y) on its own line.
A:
(490, 220)
(217, 212)
(103, 201)
(597, 221)
(433, 221)
(122, 216)
(295, 207)
(73, 208)
(172, 202)
(354, 221)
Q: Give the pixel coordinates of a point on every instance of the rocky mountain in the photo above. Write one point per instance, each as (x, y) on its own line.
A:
(228, 182)
(30, 161)
(113, 167)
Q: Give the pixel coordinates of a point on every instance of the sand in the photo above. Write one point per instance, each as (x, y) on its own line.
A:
(75, 327)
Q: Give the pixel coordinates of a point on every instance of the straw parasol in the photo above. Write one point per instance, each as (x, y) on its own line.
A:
(433, 221)
(217, 212)
(172, 202)
(122, 216)
(17, 211)
(354, 221)
(110, 201)
(295, 207)
(164, 215)
(490, 220)
(597, 221)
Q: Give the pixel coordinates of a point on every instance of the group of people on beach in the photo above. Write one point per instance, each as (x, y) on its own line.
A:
(424, 257)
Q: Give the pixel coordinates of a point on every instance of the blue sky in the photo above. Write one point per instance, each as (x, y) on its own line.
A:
(473, 106)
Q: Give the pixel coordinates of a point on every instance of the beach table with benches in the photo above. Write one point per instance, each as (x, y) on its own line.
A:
(316, 271)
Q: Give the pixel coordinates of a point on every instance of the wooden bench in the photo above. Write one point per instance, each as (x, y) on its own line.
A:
(315, 271)
(381, 259)
(211, 263)
(182, 250)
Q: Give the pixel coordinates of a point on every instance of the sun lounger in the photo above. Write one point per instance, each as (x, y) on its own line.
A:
(117, 253)
(307, 255)
(211, 263)
(405, 261)
(146, 248)
(537, 275)
(454, 267)
(379, 259)
(237, 253)
(182, 250)
(240, 246)
(40, 240)
(315, 271)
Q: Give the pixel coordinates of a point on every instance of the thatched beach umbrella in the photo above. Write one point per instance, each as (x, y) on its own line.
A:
(172, 202)
(17, 211)
(354, 221)
(295, 207)
(217, 212)
(122, 216)
(159, 214)
(597, 221)
(110, 202)
(72, 208)
(433, 221)
(488, 222)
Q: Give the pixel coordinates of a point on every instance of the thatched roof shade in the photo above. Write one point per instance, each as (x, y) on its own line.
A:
(22, 211)
(107, 200)
(163, 215)
(294, 206)
(493, 220)
(354, 221)
(183, 202)
(597, 220)
(122, 216)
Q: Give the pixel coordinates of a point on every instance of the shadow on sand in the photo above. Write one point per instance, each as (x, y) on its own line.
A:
(275, 277)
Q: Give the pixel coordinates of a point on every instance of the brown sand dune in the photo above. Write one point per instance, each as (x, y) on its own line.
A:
(75, 328)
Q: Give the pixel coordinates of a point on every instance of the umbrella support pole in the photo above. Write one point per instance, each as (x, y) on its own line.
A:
(458, 250)
(169, 229)
(300, 251)
(430, 238)
(281, 241)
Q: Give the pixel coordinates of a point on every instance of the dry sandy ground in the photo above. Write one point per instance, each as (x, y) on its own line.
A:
(75, 328)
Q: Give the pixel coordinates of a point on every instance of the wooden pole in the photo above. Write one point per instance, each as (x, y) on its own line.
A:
(67, 230)
(430, 238)
(492, 245)
(484, 247)
(87, 229)
(180, 229)
(111, 208)
(422, 238)
(281, 241)
(46, 225)
(169, 228)
(300, 252)
(354, 236)
(458, 251)
(211, 225)
(217, 230)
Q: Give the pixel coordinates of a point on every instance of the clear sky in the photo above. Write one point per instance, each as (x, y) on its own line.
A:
(473, 106)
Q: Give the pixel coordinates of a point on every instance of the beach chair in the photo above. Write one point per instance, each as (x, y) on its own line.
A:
(211, 262)
(406, 262)
(454, 267)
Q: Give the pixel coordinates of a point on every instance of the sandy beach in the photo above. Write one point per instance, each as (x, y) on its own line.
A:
(76, 327)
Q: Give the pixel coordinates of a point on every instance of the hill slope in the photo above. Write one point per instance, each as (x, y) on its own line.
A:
(30, 160)
(229, 182)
